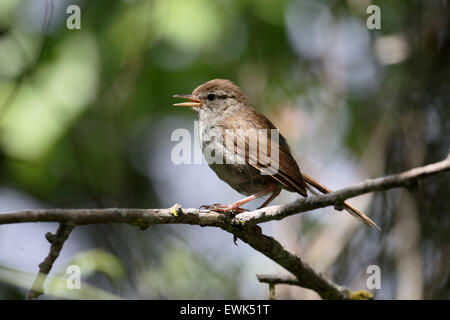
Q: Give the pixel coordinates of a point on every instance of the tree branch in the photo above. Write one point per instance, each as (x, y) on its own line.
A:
(176, 215)
(241, 225)
(306, 276)
(278, 279)
(57, 241)
(336, 198)
(273, 280)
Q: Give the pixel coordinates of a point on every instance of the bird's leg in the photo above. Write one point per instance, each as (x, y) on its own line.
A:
(270, 199)
(236, 205)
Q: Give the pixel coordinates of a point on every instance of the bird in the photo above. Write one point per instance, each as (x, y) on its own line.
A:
(227, 125)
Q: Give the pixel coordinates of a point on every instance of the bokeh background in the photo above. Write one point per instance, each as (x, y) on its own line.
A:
(86, 120)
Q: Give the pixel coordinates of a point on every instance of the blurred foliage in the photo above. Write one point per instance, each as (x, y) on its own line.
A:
(55, 286)
(75, 121)
(183, 274)
(99, 261)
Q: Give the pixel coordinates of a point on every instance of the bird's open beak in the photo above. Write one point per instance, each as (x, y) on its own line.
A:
(194, 102)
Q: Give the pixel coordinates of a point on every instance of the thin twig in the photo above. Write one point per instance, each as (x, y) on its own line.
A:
(305, 274)
(274, 279)
(272, 295)
(6, 106)
(57, 241)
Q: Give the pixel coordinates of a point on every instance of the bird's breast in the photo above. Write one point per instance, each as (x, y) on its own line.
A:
(242, 177)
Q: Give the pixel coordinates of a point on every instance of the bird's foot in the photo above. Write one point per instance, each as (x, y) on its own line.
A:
(224, 208)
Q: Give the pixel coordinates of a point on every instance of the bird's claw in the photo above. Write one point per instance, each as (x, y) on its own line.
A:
(209, 206)
(223, 208)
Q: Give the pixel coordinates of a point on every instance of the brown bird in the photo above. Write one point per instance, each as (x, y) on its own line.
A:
(227, 126)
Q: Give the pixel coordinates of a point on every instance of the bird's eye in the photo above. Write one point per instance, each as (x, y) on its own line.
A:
(211, 96)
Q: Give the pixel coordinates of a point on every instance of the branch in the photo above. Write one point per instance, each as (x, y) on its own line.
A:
(241, 225)
(176, 215)
(57, 241)
(306, 276)
(278, 279)
(336, 198)
(272, 280)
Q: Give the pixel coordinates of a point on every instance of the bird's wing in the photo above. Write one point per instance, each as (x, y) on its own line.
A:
(283, 168)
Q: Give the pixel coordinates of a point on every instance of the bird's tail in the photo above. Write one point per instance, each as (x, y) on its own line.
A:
(348, 207)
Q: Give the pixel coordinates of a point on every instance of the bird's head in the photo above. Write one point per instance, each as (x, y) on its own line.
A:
(214, 96)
